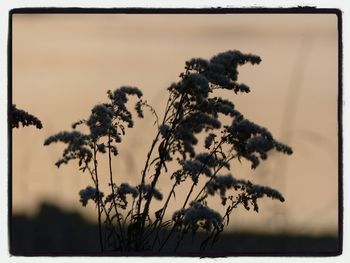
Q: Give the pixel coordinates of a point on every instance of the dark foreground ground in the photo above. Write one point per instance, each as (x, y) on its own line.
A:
(57, 233)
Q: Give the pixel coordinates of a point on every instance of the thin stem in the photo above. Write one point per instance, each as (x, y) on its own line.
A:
(101, 204)
(110, 222)
(145, 169)
(181, 238)
(167, 109)
(149, 154)
(98, 200)
(159, 224)
(231, 207)
(112, 189)
(92, 174)
(163, 149)
(130, 213)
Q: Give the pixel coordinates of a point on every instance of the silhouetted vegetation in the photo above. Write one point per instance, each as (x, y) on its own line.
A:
(193, 111)
(20, 117)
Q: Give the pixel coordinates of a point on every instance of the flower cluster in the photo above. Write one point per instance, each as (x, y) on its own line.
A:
(249, 138)
(195, 109)
(195, 85)
(250, 191)
(212, 160)
(106, 120)
(202, 163)
(89, 193)
(221, 183)
(194, 168)
(193, 123)
(147, 188)
(248, 194)
(101, 124)
(78, 146)
(209, 140)
(258, 191)
(198, 215)
(125, 189)
(221, 70)
(216, 105)
(120, 194)
(19, 116)
(118, 100)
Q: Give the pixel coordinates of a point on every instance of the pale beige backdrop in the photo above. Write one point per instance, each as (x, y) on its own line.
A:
(63, 64)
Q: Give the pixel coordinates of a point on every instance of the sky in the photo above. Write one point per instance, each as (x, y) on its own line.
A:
(64, 64)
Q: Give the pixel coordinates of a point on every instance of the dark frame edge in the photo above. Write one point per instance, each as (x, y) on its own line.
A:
(340, 132)
(213, 10)
(9, 130)
(154, 10)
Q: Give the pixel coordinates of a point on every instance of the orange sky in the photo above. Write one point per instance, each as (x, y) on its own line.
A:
(64, 64)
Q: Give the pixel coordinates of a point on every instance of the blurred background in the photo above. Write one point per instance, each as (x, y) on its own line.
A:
(63, 64)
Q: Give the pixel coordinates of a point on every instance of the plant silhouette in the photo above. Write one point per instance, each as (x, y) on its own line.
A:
(19, 116)
(193, 111)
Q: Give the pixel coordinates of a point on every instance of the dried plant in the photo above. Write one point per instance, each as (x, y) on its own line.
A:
(19, 116)
(192, 113)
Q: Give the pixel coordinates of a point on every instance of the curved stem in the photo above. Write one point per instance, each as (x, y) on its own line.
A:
(163, 149)
(160, 165)
(145, 169)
